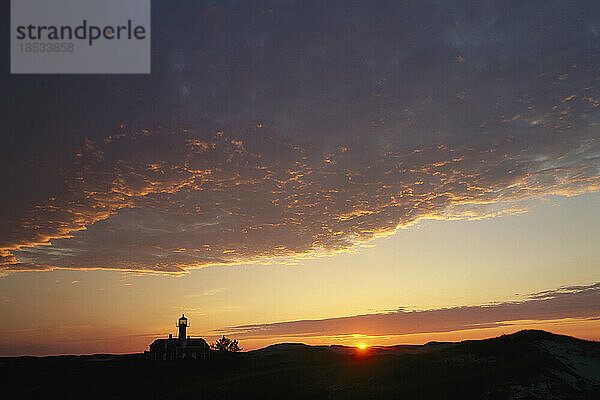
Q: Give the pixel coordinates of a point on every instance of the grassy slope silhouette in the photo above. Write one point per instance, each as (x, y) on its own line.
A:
(527, 364)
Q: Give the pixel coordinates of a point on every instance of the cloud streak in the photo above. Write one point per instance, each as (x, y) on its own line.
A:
(567, 302)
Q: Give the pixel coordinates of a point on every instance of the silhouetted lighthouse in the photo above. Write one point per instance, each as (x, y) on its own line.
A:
(180, 348)
(182, 324)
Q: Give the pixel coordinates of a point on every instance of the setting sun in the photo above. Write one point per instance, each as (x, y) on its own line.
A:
(362, 346)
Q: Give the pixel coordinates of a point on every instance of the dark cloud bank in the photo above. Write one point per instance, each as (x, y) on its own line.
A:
(282, 128)
(567, 302)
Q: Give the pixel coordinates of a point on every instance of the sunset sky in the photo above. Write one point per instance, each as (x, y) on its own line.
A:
(337, 172)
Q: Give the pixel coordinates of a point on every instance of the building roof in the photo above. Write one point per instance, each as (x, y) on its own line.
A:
(191, 342)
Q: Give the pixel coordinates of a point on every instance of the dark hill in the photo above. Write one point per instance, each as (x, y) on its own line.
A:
(525, 365)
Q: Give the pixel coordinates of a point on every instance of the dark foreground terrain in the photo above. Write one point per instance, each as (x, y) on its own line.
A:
(528, 364)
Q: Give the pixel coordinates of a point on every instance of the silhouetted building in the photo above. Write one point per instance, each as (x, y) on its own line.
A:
(182, 347)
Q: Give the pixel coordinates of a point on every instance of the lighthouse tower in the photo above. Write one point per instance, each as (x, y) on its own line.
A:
(182, 324)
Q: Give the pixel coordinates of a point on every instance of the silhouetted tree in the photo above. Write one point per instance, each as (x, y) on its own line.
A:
(226, 344)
